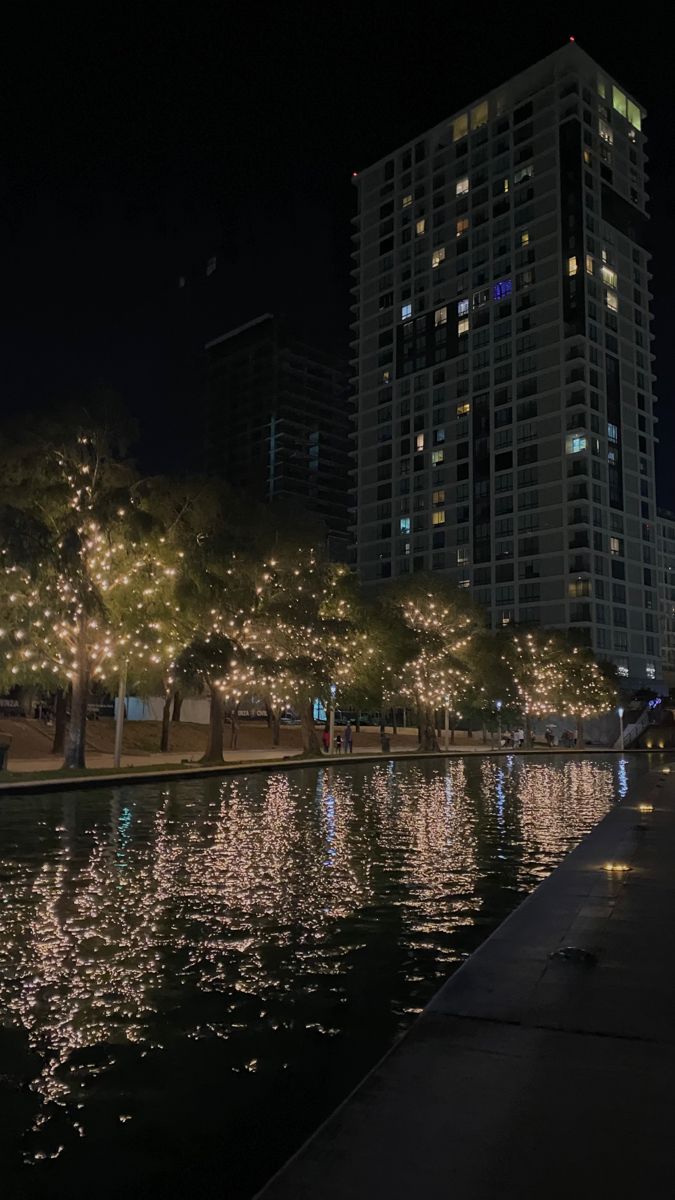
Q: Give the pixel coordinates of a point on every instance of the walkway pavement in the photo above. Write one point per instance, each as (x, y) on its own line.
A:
(530, 1075)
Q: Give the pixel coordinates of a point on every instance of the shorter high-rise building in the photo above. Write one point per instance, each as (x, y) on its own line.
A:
(666, 591)
(279, 420)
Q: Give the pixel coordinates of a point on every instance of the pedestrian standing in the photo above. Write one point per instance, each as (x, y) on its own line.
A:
(325, 739)
(338, 743)
(348, 737)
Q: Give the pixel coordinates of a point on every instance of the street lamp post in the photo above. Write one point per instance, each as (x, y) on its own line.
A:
(498, 706)
(446, 727)
(620, 712)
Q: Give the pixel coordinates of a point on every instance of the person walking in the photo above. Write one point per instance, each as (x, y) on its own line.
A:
(348, 737)
(338, 743)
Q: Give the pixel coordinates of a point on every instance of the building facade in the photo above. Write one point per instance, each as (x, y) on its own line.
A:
(505, 427)
(666, 547)
(279, 420)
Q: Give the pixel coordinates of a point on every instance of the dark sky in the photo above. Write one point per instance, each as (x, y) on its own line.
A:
(139, 141)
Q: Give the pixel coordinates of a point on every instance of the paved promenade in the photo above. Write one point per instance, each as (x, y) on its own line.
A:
(531, 1075)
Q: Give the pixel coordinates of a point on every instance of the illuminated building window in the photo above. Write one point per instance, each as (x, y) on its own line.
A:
(462, 226)
(479, 115)
(611, 300)
(605, 132)
(460, 127)
(462, 186)
(602, 91)
(463, 327)
(523, 173)
(502, 289)
(438, 497)
(419, 442)
(462, 556)
(506, 185)
(438, 257)
(406, 547)
(441, 317)
(590, 265)
(463, 409)
(609, 276)
(634, 116)
(619, 101)
(588, 157)
(386, 376)
(404, 525)
(615, 545)
(576, 443)
(438, 518)
(572, 265)
(420, 226)
(650, 670)
(462, 308)
(437, 456)
(406, 311)
(407, 201)
(612, 432)
(525, 237)
(622, 670)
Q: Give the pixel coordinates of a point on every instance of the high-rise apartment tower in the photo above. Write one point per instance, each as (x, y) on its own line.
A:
(279, 421)
(505, 428)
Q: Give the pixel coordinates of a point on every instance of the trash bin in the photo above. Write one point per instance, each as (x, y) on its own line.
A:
(5, 743)
(385, 743)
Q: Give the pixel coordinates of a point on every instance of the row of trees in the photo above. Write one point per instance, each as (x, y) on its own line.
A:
(182, 586)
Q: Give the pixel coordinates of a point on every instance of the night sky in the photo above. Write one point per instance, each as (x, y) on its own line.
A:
(139, 142)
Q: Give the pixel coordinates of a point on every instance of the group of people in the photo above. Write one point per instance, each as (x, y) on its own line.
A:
(343, 739)
(515, 738)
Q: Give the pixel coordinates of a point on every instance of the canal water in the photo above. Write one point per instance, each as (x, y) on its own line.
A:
(193, 975)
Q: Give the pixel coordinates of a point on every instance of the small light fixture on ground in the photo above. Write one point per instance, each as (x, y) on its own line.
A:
(645, 808)
(617, 868)
(665, 770)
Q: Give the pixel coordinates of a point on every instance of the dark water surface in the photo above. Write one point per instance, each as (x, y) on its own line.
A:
(192, 975)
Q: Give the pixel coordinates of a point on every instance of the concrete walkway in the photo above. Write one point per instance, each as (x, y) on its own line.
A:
(529, 1075)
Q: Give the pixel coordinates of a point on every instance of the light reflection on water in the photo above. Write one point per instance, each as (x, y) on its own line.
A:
(192, 976)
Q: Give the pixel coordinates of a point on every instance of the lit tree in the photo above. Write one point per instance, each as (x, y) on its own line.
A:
(86, 584)
(437, 673)
(585, 689)
(554, 676)
(304, 634)
(532, 659)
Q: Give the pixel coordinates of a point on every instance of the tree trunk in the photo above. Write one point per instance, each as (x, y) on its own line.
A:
(165, 739)
(310, 739)
(427, 728)
(484, 737)
(213, 755)
(580, 733)
(177, 705)
(60, 721)
(357, 722)
(234, 728)
(26, 701)
(273, 722)
(394, 730)
(452, 736)
(75, 748)
(528, 732)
